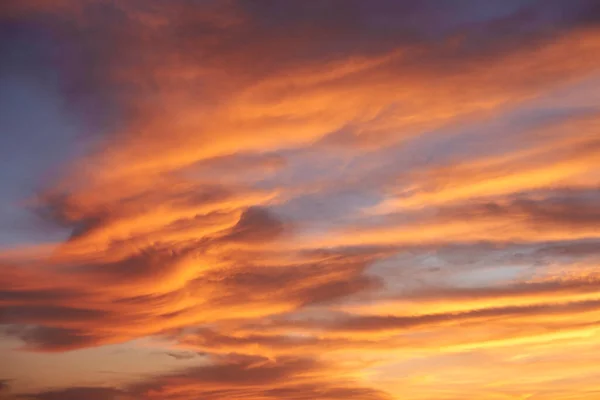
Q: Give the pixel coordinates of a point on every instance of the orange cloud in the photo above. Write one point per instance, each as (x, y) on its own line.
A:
(189, 220)
(243, 377)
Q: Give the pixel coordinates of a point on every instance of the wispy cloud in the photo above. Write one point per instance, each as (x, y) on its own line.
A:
(320, 200)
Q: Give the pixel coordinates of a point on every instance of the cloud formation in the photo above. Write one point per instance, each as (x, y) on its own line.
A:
(318, 200)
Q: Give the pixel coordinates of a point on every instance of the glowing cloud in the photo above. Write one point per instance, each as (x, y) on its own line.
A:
(371, 200)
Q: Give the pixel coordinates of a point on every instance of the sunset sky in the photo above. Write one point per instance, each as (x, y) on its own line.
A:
(299, 199)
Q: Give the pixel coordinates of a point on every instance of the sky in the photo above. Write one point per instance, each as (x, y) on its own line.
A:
(300, 199)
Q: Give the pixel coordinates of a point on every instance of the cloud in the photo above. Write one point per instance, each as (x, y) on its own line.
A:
(324, 100)
(169, 287)
(181, 355)
(243, 377)
(392, 323)
(312, 194)
(554, 158)
(256, 377)
(255, 224)
(92, 393)
(54, 339)
(534, 217)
